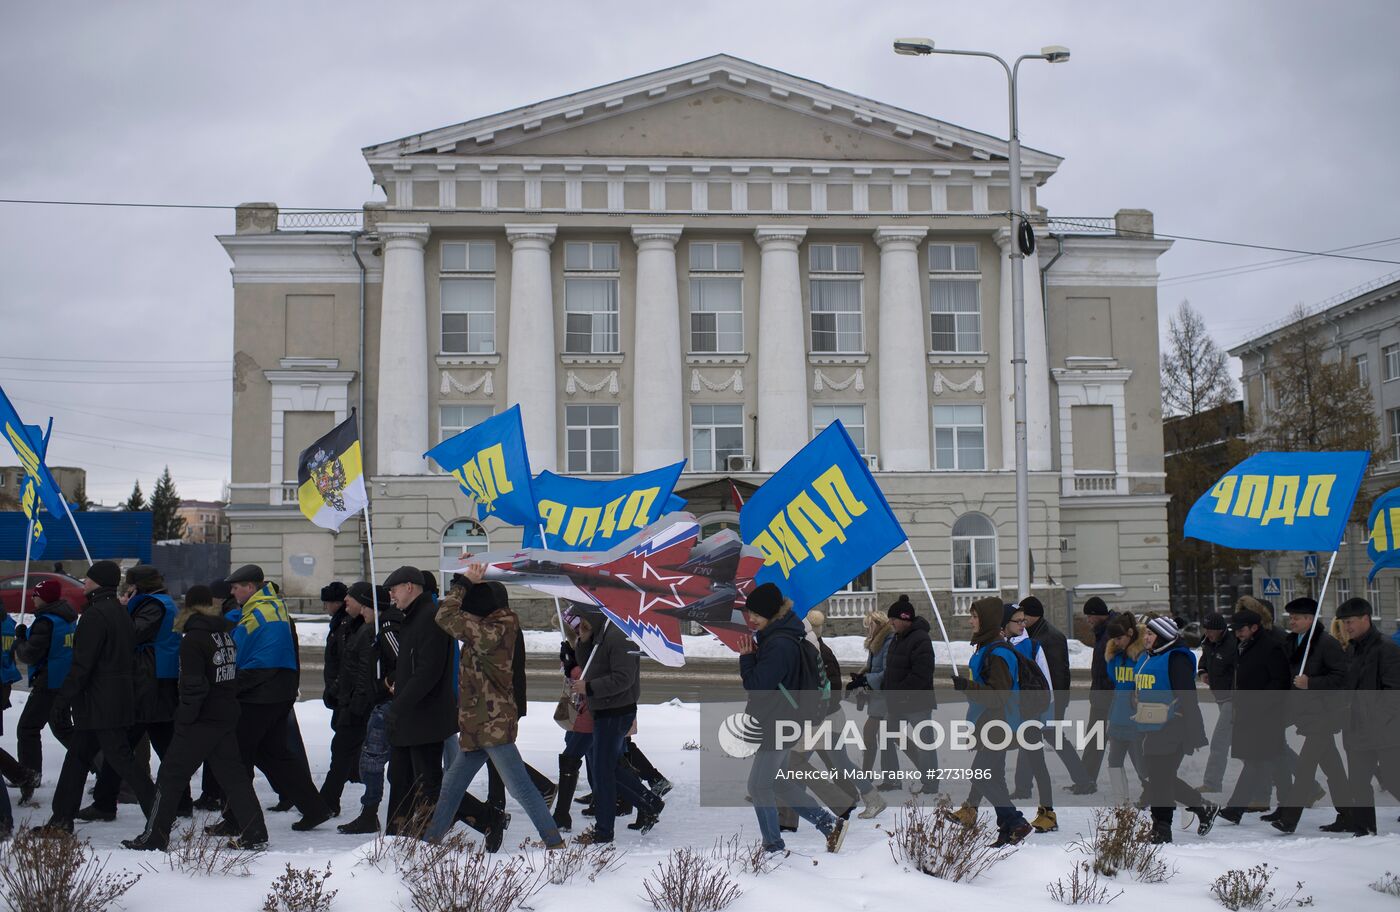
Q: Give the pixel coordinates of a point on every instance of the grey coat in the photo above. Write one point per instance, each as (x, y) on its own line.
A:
(614, 676)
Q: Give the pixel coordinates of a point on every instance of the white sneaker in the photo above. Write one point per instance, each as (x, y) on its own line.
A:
(874, 805)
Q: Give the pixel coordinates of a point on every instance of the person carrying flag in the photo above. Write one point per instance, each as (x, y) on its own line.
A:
(45, 646)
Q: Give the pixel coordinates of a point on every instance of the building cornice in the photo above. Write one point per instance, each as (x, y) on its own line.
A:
(297, 259)
(1108, 261)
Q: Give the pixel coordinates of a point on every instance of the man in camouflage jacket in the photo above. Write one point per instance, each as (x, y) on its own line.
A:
(478, 614)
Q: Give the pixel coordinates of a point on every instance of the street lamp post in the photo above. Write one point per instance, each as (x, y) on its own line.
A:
(920, 47)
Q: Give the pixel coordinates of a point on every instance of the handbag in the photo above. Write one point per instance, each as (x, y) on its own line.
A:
(566, 712)
(1152, 713)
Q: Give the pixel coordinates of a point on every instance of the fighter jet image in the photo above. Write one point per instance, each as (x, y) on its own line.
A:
(650, 584)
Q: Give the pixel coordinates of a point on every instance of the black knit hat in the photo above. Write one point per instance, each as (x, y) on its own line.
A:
(1095, 607)
(1301, 606)
(1354, 608)
(220, 589)
(1032, 607)
(335, 592)
(1008, 611)
(1245, 617)
(765, 601)
(1214, 621)
(361, 593)
(404, 575)
(901, 610)
(198, 595)
(106, 574)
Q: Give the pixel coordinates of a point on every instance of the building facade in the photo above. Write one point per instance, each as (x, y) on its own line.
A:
(205, 522)
(70, 481)
(1359, 328)
(712, 263)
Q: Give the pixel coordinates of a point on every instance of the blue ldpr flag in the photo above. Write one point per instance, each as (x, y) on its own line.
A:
(29, 494)
(820, 521)
(490, 462)
(1384, 526)
(579, 514)
(1281, 502)
(29, 446)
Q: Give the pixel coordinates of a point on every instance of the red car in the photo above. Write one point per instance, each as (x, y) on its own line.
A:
(11, 597)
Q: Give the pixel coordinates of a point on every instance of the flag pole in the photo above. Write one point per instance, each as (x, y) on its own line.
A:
(936, 613)
(79, 532)
(373, 588)
(1320, 596)
(24, 587)
(558, 611)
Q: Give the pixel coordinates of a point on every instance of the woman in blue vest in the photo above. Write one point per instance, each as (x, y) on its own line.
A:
(45, 646)
(157, 674)
(1124, 644)
(1169, 718)
(1014, 630)
(9, 675)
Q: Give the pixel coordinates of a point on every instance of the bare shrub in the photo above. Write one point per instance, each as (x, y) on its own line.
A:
(58, 873)
(300, 890)
(1081, 887)
(931, 840)
(741, 857)
(1122, 841)
(1388, 884)
(1252, 888)
(690, 881)
(408, 850)
(562, 866)
(468, 879)
(197, 852)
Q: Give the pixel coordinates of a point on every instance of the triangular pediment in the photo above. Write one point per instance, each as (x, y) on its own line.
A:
(718, 107)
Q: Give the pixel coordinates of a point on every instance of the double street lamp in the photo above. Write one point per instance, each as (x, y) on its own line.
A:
(1022, 245)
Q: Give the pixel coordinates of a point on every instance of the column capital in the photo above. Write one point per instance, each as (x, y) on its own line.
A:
(656, 235)
(779, 235)
(415, 233)
(891, 237)
(539, 234)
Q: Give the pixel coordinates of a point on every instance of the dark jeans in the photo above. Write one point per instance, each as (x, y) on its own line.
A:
(415, 779)
(38, 712)
(263, 742)
(83, 747)
(104, 793)
(609, 776)
(993, 787)
(1164, 789)
(1092, 763)
(216, 747)
(374, 755)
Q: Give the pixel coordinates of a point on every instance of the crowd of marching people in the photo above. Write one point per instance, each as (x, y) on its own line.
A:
(425, 689)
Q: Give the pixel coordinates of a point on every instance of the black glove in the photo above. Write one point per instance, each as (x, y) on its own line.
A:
(567, 657)
(328, 700)
(857, 681)
(459, 580)
(22, 632)
(961, 683)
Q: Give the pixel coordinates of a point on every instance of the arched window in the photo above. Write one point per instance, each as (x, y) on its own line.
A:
(974, 553)
(711, 523)
(462, 535)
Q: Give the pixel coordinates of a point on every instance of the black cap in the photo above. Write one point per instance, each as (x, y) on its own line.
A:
(361, 592)
(1245, 617)
(1301, 606)
(901, 610)
(1032, 607)
(1095, 607)
(1008, 611)
(430, 583)
(404, 575)
(1354, 608)
(765, 601)
(199, 595)
(248, 573)
(105, 573)
(1214, 621)
(335, 592)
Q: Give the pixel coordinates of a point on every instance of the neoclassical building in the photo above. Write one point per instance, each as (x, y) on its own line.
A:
(711, 262)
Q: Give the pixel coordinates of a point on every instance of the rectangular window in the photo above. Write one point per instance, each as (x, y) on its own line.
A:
(716, 315)
(591, 256)
(593, 438)
(835, 284)
(852, 417)
(1363, 369)
(954, 293)
(1343, 584)
(716, 433)
(952, 258)
(590, 298)
(1392, 418)
(716, 257)
(468, 316)
(454, 419)
(1391, 354)
(469, 256)
(958, 438)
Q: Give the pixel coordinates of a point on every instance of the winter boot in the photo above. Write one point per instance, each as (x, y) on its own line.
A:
(837, 836)
(26, 789)
(94, 814)
(367, 824)
(209, 802)
(966, 815)
(1205, 817)
(591, 836)
(1045, 820)
(1287, 820)
(225, 827)
(282, 806)
(874, 805)
(1233, 814)
(1341, 825)
(569, 768)
(1161, 832)
(146, 842)
(56, 826)
(647, 819)
(1273, 815)
(312, 820)
(1013, 835)
(496, 832)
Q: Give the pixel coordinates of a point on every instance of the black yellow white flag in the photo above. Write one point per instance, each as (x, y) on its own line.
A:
(331, 477)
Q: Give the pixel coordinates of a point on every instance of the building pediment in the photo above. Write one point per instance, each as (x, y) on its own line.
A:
(718, 107)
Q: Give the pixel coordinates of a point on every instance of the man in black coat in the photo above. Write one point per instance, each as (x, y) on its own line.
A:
(1315, 710)
(1371, 732)
(375, 648)
(333, 603)
(99, 693)
(1261, 678)
(1055, 646)
(206, 719)
(908, 683)
(347, 722)
(424, 709)
(1219, 653)
(1101, 686)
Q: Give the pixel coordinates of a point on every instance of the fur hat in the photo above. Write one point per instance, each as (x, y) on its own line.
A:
(335, 592)
(145, 578)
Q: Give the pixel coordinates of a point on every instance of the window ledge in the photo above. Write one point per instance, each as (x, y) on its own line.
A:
(944, 359)
(603, 360)
(826, 358)
(445, 360)
(720, 358)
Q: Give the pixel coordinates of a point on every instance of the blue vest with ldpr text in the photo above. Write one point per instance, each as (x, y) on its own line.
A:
(978, 662)
(60, 657)
(1153, 680)
(9, 671)
(264, 632)
(1120, 713)
(167, 642)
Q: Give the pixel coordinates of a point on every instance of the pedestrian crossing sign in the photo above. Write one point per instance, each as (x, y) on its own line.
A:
(1273, 587)
(1310, 566)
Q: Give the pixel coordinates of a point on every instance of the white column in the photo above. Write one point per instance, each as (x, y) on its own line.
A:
(1038, 455)
(784, 421)
(903, 354)
(402, 406)
(658, 429)
(531, 352)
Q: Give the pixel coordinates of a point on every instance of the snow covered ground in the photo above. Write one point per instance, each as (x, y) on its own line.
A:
(1335, 870)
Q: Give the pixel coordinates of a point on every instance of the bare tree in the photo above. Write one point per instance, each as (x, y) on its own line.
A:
(1195, 372)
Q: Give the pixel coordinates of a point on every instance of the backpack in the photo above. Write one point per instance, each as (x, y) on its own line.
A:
(1033, 691)
(812, 680)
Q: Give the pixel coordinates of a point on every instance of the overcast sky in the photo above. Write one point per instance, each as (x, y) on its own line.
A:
(1263, 122)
